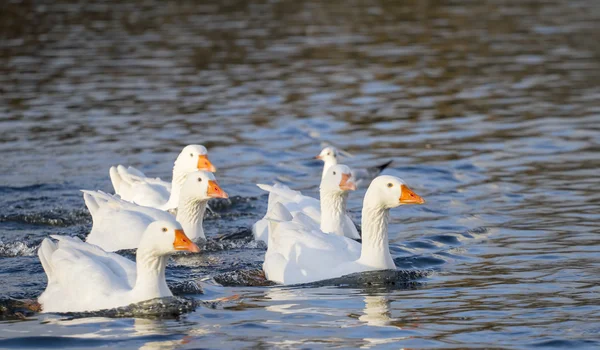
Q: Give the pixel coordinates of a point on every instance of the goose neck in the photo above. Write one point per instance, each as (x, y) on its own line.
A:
(190, 214)
(150, 281)
(328, 163)
(333, 211)
(176, 184)
(375, 251)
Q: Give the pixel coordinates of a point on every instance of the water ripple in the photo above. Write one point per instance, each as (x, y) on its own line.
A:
(489, 110)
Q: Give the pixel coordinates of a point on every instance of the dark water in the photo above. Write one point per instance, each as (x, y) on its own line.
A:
(489, 109)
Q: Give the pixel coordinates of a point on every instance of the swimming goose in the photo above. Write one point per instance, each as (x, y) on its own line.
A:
(328, 214)
(118, 224)
(329, 156)
(133, 185)
(83, 277)
(301, 254)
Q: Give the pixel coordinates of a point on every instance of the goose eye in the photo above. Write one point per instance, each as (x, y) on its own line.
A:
(390, 184)
(199, 179)
(334, 173)
(164, 229)
(328, 153)
(191, 154)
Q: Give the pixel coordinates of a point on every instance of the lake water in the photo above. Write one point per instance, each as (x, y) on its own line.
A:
(489, 109)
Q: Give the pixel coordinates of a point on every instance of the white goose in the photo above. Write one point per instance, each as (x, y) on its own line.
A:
(298, 253)
(118, 224)
(133, 186)
(329, 156)
(328, 214)
(83, 277)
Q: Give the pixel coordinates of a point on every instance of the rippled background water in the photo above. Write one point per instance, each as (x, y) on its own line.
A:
(489, 109)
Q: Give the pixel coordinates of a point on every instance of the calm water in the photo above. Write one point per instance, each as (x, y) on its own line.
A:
(489, 109)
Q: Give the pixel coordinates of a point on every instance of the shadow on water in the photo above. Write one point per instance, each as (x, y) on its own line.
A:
(170, 307)
(74, 342)
(378, 280)
(159, 308)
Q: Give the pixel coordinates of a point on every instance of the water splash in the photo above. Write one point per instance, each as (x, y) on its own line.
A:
(14, 249)
(17, 309)
(57, 217)
(251, 277)
(186, 287)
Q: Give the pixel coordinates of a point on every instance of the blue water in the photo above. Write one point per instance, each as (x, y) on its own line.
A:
(490, 111)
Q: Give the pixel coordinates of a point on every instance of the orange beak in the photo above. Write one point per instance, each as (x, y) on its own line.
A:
(346, 184)
(319, 157)
(205, 164)
(215, 191)
(182, 242)
(409, 197)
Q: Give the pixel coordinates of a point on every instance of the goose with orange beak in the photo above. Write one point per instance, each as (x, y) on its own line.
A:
(83, 277)
(118, 224)
(133, 186)
(297, 253)
(327, 214)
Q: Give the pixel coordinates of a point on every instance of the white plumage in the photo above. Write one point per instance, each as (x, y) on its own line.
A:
(83, 277)
(133, 186)
(300, 253)
(118, 224)
(329, 213)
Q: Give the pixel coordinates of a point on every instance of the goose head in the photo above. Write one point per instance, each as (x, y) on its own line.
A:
(328, 155)
(166, 237)
(194, 157)
(338, 179)
(389, 192)
(202, 185)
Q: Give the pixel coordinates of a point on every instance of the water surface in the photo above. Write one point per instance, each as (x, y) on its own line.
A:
(489, 109)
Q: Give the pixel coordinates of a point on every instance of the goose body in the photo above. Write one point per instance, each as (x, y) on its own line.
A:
(118, 224)
(298, 253)
(328, 213)
(134, 186)
(84, 277)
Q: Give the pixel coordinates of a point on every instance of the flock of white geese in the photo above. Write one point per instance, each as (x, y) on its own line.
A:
(308, 239)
